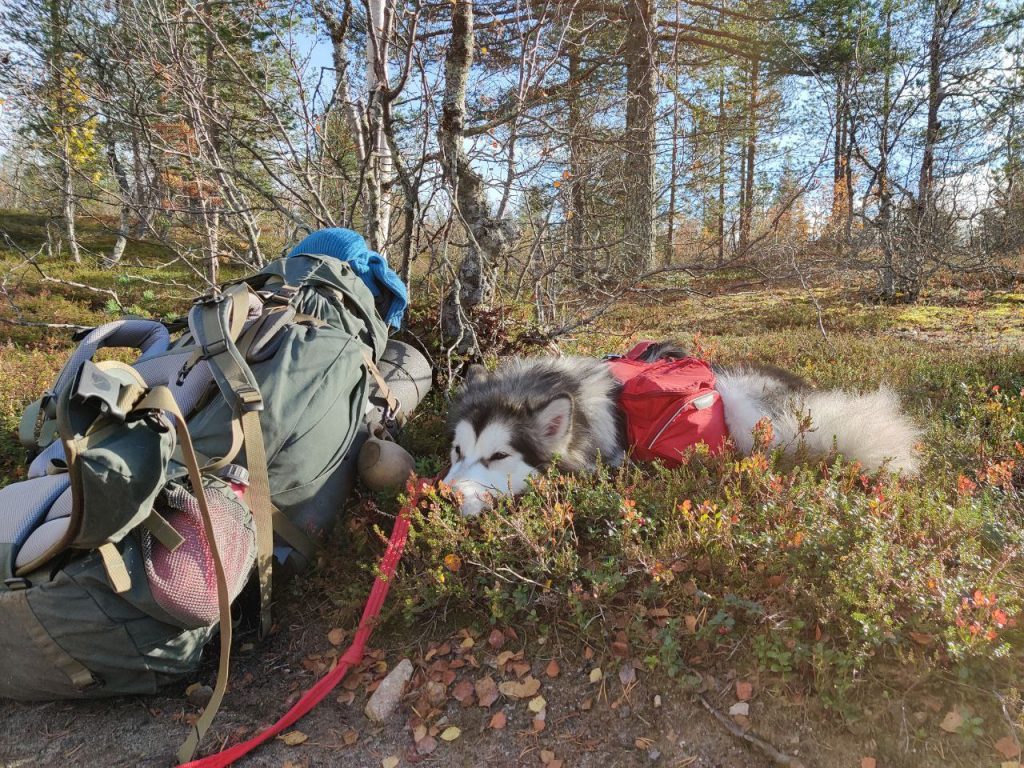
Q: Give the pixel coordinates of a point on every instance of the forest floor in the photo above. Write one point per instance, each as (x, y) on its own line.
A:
(863, 621)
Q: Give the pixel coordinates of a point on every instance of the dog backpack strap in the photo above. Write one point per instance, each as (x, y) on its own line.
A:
(638, 351)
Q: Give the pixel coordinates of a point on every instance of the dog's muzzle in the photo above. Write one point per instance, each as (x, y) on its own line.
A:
(476, 495)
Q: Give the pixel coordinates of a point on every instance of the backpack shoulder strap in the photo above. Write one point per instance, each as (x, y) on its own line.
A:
(215, 326)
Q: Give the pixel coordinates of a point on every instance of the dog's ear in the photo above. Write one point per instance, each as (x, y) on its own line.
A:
(554, 420)
(475, 372)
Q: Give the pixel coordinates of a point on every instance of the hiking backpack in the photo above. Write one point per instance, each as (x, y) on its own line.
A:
(157, 488)
(669, 406)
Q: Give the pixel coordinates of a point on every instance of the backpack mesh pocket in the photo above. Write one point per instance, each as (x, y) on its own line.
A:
(184, 582)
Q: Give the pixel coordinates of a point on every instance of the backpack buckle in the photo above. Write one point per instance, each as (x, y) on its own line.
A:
(214, 348)
(16, 583)
(250, 398)
(96, 385)
(210, 299)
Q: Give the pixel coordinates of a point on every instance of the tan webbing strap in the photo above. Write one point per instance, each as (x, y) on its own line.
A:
(258, 498)
(163, 531)
(297, 538)
(239, 387)
(394, 406)
(114, 565)
(160, 398)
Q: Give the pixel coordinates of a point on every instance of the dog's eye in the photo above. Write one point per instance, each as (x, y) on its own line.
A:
(498, 456)
(458, 451)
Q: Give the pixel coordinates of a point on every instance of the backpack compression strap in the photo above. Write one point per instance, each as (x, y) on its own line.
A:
(215, 325)
(161, 399)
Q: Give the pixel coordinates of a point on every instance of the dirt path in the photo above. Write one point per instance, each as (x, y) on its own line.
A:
(587, 725)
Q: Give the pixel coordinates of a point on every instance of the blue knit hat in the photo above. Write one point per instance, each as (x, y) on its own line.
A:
(370, 266)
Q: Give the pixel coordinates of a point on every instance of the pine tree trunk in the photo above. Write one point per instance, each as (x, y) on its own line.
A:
(721, 172)
(641, 104)
(749, 157)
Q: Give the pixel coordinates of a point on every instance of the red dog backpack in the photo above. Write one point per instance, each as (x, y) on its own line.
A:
(669, 405)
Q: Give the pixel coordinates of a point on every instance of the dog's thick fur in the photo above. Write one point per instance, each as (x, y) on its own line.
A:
(533, 412)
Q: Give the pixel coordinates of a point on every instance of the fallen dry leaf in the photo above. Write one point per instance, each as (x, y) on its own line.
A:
(586, 704)
(350, 737)
(520, 668)
(498, 721)
(451, 733)
(952, 721)
(1008, 747)
(588, 653)
(293, 738)
(389, 762)
(596, 675)
(453, 562)
(426, 745)
(546, 756)
(524, 689)
(868, 762)
(467, 643)
(486, 691)
(627, 674)
(537, 704)
(419, 732)
(496, 639)
(504, 658)
(552, 670)
(463, 693)
(691, 624)
(744, 690)
(539, 721)
(336, 636)
(347, 697)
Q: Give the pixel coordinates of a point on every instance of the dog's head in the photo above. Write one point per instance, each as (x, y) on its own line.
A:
(500, 438)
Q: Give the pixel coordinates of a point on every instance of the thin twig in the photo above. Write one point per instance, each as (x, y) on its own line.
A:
(780, 758)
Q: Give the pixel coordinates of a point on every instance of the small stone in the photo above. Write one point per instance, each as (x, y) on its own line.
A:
(657, 701)
(653, 754)
(384, 700)
(740, 708)
(199, 695)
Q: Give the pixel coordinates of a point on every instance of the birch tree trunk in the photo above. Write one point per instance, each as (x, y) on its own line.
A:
(379, 169)
(489, 236)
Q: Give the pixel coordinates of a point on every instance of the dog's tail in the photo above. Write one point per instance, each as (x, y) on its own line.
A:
(870, 428)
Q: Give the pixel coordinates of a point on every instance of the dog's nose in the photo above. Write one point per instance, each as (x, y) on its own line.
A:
(475, 496)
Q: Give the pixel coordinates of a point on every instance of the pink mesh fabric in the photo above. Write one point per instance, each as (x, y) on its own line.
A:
(184, 582)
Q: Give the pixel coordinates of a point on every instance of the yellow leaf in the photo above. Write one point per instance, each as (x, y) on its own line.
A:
(293, 738)
(596, 674)
(451, 733)
(537, 704)
(389, 762)
(453, 563)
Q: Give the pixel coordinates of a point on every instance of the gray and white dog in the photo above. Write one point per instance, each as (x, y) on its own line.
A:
(531, 413)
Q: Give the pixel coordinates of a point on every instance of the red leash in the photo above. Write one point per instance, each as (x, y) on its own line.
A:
(351, 657)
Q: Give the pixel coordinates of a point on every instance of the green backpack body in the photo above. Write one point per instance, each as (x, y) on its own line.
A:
(159, 488)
